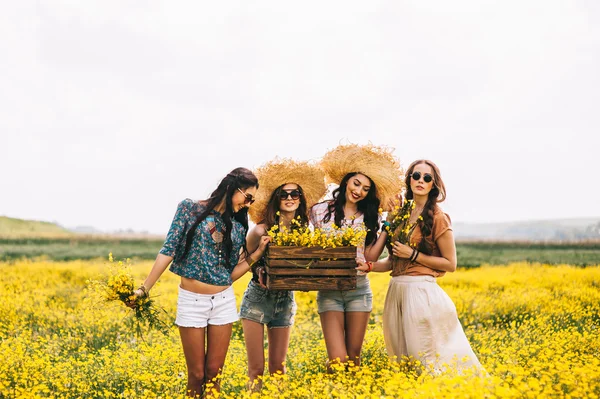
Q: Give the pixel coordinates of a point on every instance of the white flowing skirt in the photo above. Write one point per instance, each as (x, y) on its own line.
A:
(420, 320)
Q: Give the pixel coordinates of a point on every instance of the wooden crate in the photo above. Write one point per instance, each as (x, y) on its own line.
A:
(311, 268)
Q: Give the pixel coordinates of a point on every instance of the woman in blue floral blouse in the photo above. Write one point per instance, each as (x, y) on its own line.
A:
(206, 246)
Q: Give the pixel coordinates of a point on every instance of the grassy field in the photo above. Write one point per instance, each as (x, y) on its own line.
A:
(534, 328)
(469, 254)
(12, 227)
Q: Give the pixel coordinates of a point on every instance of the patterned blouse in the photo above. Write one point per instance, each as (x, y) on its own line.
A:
(204, 262)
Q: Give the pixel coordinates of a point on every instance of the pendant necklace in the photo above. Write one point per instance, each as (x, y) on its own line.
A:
(217, 237)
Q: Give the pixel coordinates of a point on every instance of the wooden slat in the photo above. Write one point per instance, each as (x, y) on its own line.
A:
(281, 252)
(310, 284)
(310, 272)
(312, 263)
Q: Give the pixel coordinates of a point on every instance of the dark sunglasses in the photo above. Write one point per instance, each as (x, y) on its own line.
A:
(427, 177)
(295, 194)
(248, 198)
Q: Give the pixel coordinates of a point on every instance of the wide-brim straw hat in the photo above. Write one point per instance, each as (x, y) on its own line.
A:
(281, 171)
(376, 162)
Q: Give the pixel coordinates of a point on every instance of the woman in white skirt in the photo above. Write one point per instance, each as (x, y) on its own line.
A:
(419, 318)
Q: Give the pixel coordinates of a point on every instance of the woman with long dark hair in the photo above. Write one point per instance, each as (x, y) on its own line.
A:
(206, 247)
(367, 176)
(419, 318)
(288, 188)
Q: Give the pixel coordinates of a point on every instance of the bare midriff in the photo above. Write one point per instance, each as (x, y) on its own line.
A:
(193, 285)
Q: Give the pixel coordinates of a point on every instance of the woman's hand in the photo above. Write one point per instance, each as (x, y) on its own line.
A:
(362, 266)
(139, 293)
(262, 276)
(400, 250)
(262, 244)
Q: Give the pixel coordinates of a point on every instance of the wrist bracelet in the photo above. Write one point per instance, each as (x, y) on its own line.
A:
(144, 291)
(412, 256)
(386, 224)
(370, 264)
(416, 256)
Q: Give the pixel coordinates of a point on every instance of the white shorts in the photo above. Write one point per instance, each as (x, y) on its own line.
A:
(199, 310)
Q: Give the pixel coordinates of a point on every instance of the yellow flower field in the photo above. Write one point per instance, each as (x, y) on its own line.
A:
(535, 329)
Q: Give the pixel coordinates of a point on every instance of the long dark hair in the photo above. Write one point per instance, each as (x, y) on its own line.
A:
(271, 218)
(369, 206)
(241, 178)
(436, 195)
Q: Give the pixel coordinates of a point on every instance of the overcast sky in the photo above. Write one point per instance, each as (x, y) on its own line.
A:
(112, 112)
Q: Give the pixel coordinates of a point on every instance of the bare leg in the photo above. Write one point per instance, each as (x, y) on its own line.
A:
(279, 341)
(332, 324)
(254, 336)
(192, 340)
(217, 343)
(356, 327)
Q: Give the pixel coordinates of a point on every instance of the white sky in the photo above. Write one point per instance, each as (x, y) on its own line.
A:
(112, 112)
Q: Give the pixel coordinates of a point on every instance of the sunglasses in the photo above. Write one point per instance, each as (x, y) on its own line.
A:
(427, 177)
(248, 198)
(295, 194)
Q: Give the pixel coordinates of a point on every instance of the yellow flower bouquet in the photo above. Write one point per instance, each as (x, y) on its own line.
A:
(400, 228)
(119, 286)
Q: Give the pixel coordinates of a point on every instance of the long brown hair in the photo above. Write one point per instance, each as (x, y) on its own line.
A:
(271, 218)
(436, 195)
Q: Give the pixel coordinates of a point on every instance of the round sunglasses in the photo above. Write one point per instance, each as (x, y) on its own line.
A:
(248, 198)
(427, 177)
(294, 194)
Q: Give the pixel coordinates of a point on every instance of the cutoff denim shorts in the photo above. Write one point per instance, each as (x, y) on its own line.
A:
(359, 299)
(275, 309)
(199, 310)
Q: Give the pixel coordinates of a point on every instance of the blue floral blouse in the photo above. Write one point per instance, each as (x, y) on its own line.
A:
(204, 262)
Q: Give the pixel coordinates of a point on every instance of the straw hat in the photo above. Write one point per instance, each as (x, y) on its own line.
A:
(282, 171)
(376, 162)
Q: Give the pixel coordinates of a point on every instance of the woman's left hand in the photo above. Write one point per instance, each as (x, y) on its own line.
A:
(400, 250)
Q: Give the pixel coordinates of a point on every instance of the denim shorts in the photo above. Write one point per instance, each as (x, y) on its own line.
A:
(273, 308)
(356, 300)
(199, 310)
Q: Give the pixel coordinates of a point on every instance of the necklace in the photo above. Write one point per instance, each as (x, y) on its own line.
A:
(217, 237)
(351, 219)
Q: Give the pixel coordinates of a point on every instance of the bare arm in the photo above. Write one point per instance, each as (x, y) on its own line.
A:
(446, 262)
(253, 238)
(374, 251)
(256, 244)
(158, 268)
(383, 265)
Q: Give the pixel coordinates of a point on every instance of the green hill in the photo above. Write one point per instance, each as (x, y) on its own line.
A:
(11, 227)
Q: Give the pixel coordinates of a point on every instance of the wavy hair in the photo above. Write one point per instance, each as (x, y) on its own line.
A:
(435, 196)
(239, 178)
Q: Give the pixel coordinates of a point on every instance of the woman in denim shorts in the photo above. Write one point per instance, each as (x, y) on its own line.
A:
(366, 175)
(203, 247)
(287, 188)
